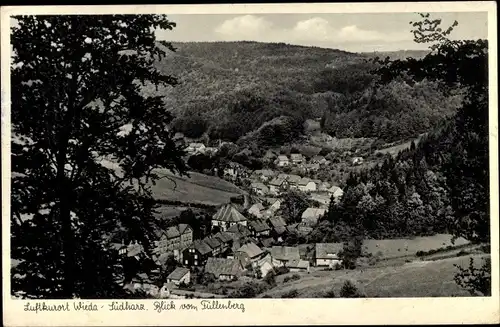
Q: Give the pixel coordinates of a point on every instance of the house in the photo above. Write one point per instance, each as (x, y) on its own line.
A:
(269, 156)
(179, 275)
(142, 283)
(283, 161)
(298, 265)
(311, 215)
(277, 221)
(259, 228)
(278, 227)
(336, 192)
(327, 254)
(248, 253)
(273, 204)
(228, 216)
(223, 268)
(264, 175)
(316, 159)
(306, 185)
(277, 185)
(283, 255)
(259, 188)
(226, 240)
(257, 209)
(296, 158)
(303, 229)
(173, 239)
(214, 244)
(196, 254)
(357, 161)
(293, 181)
(238, 233)
(179, 139)
(323, 186)
(266, 242)
(196, 148)
(322, 199)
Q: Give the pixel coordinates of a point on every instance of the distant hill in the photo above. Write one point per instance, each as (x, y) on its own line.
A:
(398, 55)
(228, 90)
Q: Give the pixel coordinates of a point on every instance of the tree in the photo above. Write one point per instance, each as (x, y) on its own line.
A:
(476, 280)
(87, 143)
(459, 66)
(294, 204)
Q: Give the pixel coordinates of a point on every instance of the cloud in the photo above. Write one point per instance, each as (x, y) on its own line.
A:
(313, 31)
(244, 27)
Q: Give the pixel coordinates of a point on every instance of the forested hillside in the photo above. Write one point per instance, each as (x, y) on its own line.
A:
(230, 89)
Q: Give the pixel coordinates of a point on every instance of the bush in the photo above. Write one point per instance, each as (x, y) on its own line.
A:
(282, 270)
(270, 279)
(348, 290)
(290, 294)
(329, 294)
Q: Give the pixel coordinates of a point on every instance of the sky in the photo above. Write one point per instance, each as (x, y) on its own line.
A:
(354, 32)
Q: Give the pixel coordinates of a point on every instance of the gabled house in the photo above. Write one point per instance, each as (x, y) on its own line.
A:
(259, 228)
(179, 275)
(306, 185)
(293, 181)
(248, 253)
(259, 188)
(196, 254)
(323, 186)
(316, 159)
(278, 228)
(312, 167)
(277, 185)
(174, 239)
(228, 216)
(238, 232)
(226, 240)
(282, 161)
(269, 156)
(257, 210)
(311, 216)
(336, 192)
(273, 204)
(196, 148)
(264, 175)
(297, 158)
(224, 269)
(214, 244)
(284, 255)
(327, 254)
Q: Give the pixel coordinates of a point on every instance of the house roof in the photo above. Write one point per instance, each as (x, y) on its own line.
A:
(239, 229)
(277, 181)
(293, 178)
(282, 158)
(328, 250)
(304, 181)
(260, 186)
(313, 213)
(335, 190)
(267, 242)
(201, 247)
(223, 266)
(196, 145)
(292, 227)
(277, 221)
(280, 230)
(178, 273)
(178, 135)
(134, 249)
(229, 213)
(223, 237)
(285, 253)
(317, 158)
(259, 226)
(259, 206)
(251, 249)
(213, 242)
(178, 230)
(302, 264)
(296, 156)
(265, 172)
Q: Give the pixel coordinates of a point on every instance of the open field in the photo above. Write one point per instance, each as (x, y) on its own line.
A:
(415, 279)
(387, 249)
(197, 188)
(395, 149)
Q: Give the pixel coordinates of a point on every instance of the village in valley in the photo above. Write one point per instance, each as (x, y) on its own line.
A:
(248, 237)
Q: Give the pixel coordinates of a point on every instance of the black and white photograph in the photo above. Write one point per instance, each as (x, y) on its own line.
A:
(249, 156)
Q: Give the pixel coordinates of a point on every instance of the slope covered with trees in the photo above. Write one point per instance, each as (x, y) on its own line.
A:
(228, 90)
